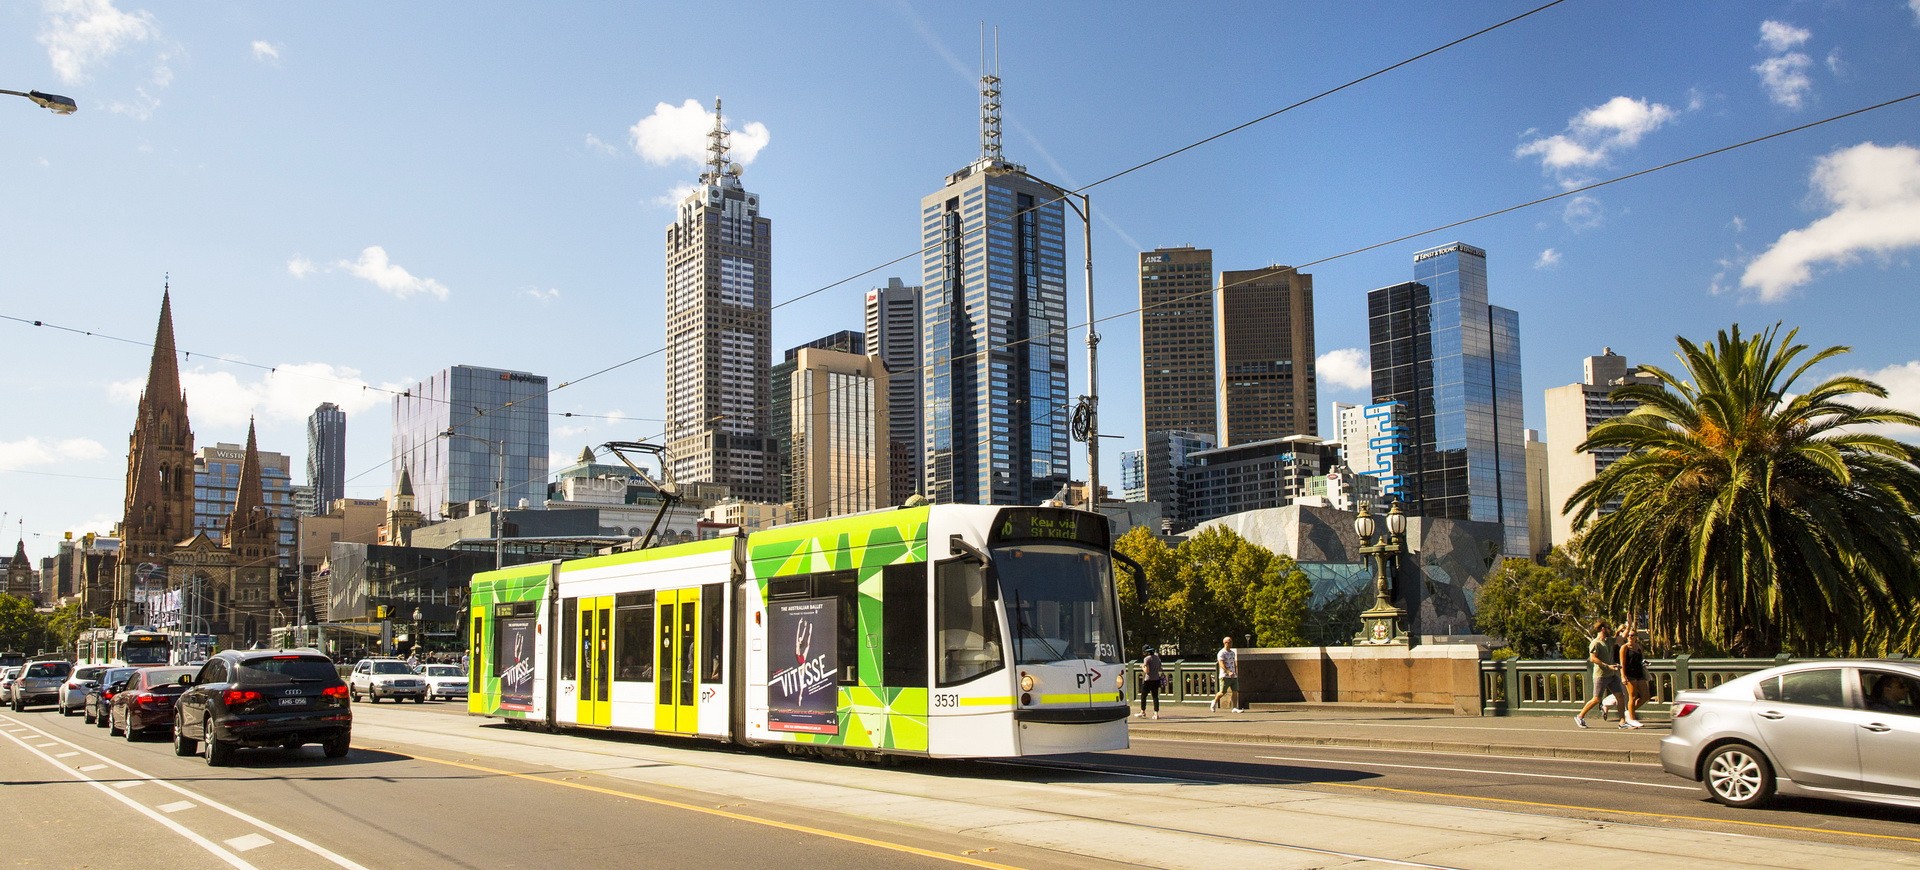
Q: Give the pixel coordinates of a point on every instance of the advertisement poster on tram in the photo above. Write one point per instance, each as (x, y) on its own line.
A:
(513, 661)
(802, 694)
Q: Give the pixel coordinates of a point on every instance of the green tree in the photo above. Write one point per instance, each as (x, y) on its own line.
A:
(1540, 610)
(1755, 517)
(21, 627)
(66, 622)
(1213, 585)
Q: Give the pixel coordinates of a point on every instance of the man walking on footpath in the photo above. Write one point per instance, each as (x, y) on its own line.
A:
(1606, 670)
(1152, 673)
(1228, 664)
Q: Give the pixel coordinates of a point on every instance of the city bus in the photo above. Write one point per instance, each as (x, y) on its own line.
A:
(951, 631)
(135, 645)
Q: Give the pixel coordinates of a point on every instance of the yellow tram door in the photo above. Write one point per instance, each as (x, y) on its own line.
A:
(596, 661)
(676, 669)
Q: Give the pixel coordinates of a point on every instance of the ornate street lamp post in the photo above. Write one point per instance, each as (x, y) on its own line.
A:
(1385, 623)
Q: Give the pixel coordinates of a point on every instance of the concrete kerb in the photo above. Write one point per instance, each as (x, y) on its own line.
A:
(1571, 753)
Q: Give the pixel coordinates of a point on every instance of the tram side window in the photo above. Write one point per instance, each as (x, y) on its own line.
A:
(967, 628)
(903, 603)
(713, 618)
(569, 637)
(633, 637)
(844, 588)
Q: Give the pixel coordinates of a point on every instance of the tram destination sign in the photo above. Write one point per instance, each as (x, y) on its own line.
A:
(1049, 524)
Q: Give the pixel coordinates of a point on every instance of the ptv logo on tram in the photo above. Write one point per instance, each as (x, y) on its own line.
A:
(1086, 679)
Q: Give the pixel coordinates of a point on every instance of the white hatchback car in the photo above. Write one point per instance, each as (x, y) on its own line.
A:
(386, 678)
(445, 681)
(73, 695)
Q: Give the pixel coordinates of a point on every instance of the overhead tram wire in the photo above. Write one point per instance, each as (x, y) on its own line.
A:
(1142, 165)
(1458, 223)
(1442, 227)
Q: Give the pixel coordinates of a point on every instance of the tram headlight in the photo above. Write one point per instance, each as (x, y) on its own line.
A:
(1026, 682)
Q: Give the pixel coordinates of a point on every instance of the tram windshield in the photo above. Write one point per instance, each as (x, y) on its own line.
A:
(1060, 604)
(153, 652)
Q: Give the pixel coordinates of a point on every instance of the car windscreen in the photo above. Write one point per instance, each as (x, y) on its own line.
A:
(392, 668)
(115, 675)
(48, 669)
(444, 671)
(91, 672)
(168, 676)
(282, 669)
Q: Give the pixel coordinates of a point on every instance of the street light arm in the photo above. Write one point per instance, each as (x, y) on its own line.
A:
(55, 103)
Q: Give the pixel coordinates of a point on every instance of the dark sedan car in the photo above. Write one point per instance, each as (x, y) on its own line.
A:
(100, 694)
(285, 698)
(145, 704)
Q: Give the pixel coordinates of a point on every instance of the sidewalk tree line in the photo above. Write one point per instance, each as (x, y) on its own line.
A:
(1214, 585)
(1753, 514)
(25, 629)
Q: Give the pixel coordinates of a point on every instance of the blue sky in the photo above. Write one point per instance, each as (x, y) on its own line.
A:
(359, 194)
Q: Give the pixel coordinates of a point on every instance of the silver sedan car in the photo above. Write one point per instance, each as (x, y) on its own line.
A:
(1844, 729)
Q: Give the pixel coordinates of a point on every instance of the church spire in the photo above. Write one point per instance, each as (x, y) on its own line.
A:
(250, 525)
(163, 372)
(159, 507)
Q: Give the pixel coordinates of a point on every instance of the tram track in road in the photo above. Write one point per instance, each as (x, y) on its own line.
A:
(1609, 814)
(59, 752)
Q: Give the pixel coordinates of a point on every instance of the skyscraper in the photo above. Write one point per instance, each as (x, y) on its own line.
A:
(327, 455)
(1572, 411)
(893, 334)
(994, 315)
(780, 407)
(219, 478)
(1177, 340)
(719, 333)
(488, 411)
(1263, 323)
(1453, 363)
(839, 412)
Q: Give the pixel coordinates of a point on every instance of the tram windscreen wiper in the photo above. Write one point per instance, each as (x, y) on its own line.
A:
(1020, 630)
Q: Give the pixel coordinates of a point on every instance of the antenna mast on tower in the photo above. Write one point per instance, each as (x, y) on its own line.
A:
(989, 97)
(717, 143)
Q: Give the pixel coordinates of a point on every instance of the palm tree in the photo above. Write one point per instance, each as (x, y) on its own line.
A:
(1751, 519)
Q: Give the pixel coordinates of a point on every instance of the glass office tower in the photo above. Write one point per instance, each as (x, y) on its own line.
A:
(327, 455)
(994, 312)
(1453, 362)
(488, 410)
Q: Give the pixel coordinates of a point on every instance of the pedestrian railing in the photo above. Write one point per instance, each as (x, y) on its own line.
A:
(1182, 681)
(1523, 686)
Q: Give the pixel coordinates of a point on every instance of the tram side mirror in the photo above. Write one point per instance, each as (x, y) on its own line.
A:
(958, 544)
(1139, 577)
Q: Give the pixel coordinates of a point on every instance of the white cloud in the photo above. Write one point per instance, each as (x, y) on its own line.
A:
(81, 34)
(1346, 368)
(1874, 193)
(1548, 259)
(1902, 382)
(1834, 64)
(1915, 6)
(1780, 36)
(600, 146)
(1739, 224)
(300, 267)
(1583, 213)
(221, 399)
(374, 267)
(140, 108)
(1595, 134)
(673, 197)
(33, 452)
(266, 51)
(1785, 79)
(675, 133)
(547, 295)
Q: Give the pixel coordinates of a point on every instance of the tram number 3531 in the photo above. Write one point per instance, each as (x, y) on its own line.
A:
(946, 699)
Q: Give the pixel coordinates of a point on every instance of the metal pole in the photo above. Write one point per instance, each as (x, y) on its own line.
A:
(1093, 365)
(500, 491)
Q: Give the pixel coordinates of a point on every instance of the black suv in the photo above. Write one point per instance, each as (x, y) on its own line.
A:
(286, 698)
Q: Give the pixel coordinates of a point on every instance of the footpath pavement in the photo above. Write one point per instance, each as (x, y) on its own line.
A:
(1408, 727)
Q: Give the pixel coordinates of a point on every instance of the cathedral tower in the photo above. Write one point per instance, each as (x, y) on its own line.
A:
(159, 501)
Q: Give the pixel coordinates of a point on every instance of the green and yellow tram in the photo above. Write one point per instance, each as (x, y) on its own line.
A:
(945, 631)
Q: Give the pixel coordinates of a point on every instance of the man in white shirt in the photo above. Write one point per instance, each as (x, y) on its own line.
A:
(1227, 662)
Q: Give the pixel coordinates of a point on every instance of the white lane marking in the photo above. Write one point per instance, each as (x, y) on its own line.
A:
(45, 745)
(91, 767)
(1489, 772)
(66, 755)
(275, 830)
(130, 783)
(176, 827)
(175, 807)
(248, 843)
